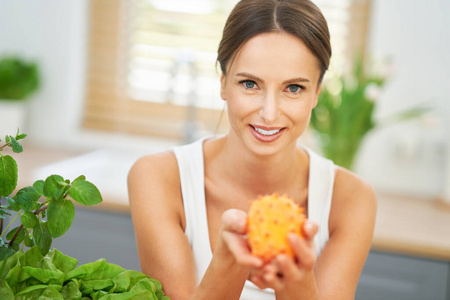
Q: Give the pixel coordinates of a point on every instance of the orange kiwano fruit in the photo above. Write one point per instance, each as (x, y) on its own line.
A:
(270, 220)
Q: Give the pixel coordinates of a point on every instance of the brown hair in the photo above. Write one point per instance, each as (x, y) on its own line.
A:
(301, 18)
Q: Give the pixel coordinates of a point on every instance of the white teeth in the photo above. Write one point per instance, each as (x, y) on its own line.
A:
(267, 132)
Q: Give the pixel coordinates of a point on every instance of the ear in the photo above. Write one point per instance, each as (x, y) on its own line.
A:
(316, 96)
(223, 93)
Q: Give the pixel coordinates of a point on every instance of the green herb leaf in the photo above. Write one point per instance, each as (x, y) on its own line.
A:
(3, 211)
(5, 252)
(12, 204)
(29, 242)
(29, 220)
(7, 139)
(16, 146)
(42, 237)
(60, 214)
(52, 189)
(8, 175)
(19, 238)
(21, 136)
(81, 177)
(39, 187)
(85, 193)
(25, 197)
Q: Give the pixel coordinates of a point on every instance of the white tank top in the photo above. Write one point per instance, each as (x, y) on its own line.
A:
(191, 168)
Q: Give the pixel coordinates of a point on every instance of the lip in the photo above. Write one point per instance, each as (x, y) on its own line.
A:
(266, 138)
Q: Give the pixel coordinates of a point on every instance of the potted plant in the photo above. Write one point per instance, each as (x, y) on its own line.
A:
(29, 268)
(344, 114)
(19, 79)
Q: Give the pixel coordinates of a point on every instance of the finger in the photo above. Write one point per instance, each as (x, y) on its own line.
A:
(304, 251)
(274, 281)
(258, 281)
(309, 230)
(238, 246)
(234, 220)
(289, 269)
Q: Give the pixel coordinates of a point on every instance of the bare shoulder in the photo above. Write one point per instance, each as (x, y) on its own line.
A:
(154, 179)
(161, 167)
(354, 200)
(348, 184)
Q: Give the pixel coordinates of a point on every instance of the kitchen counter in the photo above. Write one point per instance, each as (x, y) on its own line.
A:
(404, 225)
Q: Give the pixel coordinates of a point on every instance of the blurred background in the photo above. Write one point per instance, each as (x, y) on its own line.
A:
(119, 79)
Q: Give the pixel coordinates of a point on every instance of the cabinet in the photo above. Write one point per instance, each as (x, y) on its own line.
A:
(98, 234)
(390, 276)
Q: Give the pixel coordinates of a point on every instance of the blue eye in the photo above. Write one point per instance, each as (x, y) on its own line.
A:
(293, 88)
(248, 84)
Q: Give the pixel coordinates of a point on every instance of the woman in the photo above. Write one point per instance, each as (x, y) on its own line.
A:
(189, 205)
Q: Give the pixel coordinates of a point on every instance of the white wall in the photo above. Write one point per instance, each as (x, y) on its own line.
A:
(52, 33)
(408, 158)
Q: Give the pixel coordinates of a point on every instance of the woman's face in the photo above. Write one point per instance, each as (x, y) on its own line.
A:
(271, 87)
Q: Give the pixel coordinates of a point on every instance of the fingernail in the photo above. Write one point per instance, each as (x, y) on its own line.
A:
(309, 225)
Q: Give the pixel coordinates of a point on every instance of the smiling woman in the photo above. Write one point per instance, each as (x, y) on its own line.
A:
(192, 202)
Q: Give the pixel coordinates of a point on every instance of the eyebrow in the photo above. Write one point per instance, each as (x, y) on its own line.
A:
(256, 78)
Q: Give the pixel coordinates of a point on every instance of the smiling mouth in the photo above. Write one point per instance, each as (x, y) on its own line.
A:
(266, 132)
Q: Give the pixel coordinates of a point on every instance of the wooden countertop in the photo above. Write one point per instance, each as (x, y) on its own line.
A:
(404, 225)
(419, 227)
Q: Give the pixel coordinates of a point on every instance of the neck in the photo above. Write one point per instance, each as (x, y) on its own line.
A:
(263, 174)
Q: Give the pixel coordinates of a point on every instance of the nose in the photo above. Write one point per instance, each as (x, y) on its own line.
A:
(270, 110)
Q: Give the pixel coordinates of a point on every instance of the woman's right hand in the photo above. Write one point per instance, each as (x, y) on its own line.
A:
(233, 234)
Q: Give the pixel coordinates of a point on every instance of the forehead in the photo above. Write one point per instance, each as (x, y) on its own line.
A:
(276, 54)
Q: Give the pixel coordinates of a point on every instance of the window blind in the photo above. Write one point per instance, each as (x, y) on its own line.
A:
(152, 62)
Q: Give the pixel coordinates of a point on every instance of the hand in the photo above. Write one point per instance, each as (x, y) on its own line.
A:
(234, 229)
(284, 272)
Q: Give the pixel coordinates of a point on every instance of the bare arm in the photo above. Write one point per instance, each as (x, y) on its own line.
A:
(351, 224)
(164, 252)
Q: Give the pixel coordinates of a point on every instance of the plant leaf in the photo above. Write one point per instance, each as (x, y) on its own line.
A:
(85, 193)
(25, 197)
(39, 187)
(5, 291)
(5, 252)
(20, 236)
(60, 214)
(21, 136)
(29, 242)
(12, 204)
(52, 189)
(81, 177)
(29, 220)
(16, 146)
(42, 237)
(63, 262)
(8, 175)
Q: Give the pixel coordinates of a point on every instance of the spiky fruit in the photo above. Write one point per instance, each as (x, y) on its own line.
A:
(270, 219)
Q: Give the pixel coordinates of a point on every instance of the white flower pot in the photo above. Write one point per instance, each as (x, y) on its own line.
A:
(13, 115)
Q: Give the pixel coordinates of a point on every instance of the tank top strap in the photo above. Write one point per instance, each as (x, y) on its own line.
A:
(192, 179)
(320, 192)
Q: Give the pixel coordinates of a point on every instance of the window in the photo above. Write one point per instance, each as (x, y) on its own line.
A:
(152, 62)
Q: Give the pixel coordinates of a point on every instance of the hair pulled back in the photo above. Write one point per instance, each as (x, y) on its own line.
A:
(300, 18)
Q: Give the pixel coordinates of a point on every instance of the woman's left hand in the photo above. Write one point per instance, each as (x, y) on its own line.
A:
(284, 272)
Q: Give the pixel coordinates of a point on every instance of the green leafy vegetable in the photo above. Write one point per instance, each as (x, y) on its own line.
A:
(30, 274)
(46, 211)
